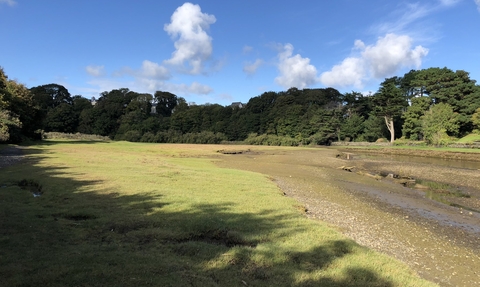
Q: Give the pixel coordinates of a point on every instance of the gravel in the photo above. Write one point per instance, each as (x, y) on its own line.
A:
(439, 242)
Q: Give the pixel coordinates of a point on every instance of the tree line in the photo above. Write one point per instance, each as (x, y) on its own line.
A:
(433, 105)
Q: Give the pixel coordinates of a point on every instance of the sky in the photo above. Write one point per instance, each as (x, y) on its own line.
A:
(211, 51)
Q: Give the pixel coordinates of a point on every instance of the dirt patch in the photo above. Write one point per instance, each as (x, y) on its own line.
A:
(439, 241)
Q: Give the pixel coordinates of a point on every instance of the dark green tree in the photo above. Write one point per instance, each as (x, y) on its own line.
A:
(456, 89)
(62, 119)
(165, 103)
(389, 103)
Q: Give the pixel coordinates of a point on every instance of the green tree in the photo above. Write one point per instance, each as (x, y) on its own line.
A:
(47, 97)
(62, 119)
(352, 127)
(104, 118)
(17, 100)
(412, 125)
(440, 122)
(456, 89)
(8, 125)
(389, 103)
(476, 120)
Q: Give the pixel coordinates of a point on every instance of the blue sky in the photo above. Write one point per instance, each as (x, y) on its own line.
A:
(228, 51)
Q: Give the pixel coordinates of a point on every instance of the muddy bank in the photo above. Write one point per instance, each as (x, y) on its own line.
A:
(439, 241)
(470, 156)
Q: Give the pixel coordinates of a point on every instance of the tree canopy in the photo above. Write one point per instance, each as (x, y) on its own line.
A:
(414, 106)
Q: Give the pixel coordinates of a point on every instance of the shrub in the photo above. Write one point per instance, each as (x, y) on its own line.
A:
(271, 140)
(148, 137)
(76, 136)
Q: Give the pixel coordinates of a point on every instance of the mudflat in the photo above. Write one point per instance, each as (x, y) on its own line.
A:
(370, 201)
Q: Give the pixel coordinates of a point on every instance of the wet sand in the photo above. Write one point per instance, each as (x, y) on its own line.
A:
(440, 242)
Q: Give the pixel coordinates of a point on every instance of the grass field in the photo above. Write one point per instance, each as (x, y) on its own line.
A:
(125, 214)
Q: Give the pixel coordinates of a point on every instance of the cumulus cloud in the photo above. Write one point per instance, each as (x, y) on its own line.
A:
(251, 68)
(391, 53)
(478, 4)
(295, 71)
(95, 71)
(10, 3)
(188, 27)
(350, 72)
(383, 59)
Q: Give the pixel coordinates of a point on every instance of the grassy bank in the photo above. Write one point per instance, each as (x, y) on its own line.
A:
(124, 214)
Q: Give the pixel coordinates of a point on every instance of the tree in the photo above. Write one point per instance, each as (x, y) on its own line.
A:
(412, 125)
(104, 118)
(453, 88)
(8, 123)
(62, 119)
(352, 127)
(476, 120)
(166, 103)
(440, 122)
(389, 102)
(48, 97)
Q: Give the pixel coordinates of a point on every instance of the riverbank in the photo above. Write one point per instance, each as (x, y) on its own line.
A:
(440, 242)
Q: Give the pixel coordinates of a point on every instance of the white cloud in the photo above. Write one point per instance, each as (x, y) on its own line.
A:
(193, 88)
(350, 72)
(10, 3)
(193, 45)
(391, 53)
(383, 59)
(149, 71)
(178, 89)
(153, 70)
(95, 71)
(295, 71)
(251, 68)
(478, 4)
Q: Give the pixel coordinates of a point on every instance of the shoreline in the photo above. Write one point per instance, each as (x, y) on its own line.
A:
(430, 237)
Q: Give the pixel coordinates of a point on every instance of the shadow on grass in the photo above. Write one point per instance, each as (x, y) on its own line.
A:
(79, 233)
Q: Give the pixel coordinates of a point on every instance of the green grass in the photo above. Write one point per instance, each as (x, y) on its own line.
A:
(125, 214)
(471, 138)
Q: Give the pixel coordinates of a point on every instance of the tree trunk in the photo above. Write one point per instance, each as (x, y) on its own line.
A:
(391, 129)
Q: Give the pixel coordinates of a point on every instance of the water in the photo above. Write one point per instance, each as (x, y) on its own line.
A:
(455, 163)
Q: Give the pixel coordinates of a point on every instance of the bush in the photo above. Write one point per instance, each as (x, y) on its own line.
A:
(172, 136)
(148, 137)
(271, 140)
(76, 136)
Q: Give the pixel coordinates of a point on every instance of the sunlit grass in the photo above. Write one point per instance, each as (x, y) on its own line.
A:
(124, 214)
(471, 138)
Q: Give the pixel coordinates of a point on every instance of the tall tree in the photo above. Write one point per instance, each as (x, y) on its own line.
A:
(389, 104)
(443, 85)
